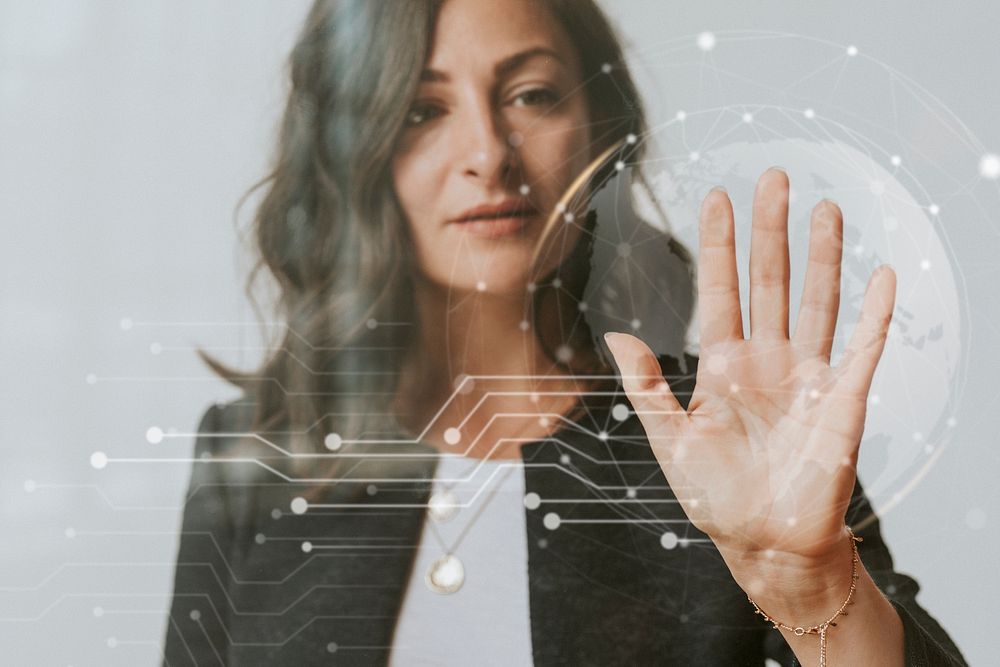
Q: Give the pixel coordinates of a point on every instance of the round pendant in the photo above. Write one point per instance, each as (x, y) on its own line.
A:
(443, 505)
(445, 575)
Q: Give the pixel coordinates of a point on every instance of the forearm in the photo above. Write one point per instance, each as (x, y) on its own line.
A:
(870, 631)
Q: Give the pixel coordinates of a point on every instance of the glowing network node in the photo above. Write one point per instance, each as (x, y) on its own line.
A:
(606, 68)
(934, 209)
(70, 533)
(619, 165)
(809, 113)
(733, 387)
(551, 521)
(636, 323)
(852, 50)
(952, 421)
(717, 364)
(706, 41)
(624, 249)
(155, 348)
(791, 521)
(925, 264)
(747, 117)
(307, 547)
(631, 493)
(91, 378)
(814, 394)
(859, 249)
(603, 435)
(154, 435)
(524, 189)
(299, 505)
(98, 460)
(631, 138)
(669, 540)
(873, 399)
(481, 286)
(515, 138)
(620, 412)
(557, 283)
(98, 611)
(560, 207)
(125, 323)
(989, 166)
(525, 325)
(582, 306)
(568, 217)
(195, 615)
(694, 156)
(331, 647)
(681, 115)
(532, 500)
(371, 323)
(564, 459)
(371, 489)
(260, 538)
(333, 441)
(276, 514)
(896, 160)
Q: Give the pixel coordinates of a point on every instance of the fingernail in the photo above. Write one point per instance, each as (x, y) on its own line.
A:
(777, 168)
(718, 188)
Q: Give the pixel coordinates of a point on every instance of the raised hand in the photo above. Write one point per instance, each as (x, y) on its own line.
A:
(764, 459)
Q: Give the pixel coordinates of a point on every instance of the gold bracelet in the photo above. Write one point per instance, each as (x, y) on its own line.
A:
(821, 629)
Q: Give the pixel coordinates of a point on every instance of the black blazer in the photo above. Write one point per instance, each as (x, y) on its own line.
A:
(245, 593)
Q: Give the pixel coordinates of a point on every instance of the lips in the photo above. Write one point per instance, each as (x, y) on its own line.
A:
(496, 220)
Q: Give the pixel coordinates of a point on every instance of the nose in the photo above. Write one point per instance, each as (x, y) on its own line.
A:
(486, 153)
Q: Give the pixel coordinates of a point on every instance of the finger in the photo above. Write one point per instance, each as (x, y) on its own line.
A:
(769, 257)
(868, 340)
(647, 390)
(817, 319)
(719, 314)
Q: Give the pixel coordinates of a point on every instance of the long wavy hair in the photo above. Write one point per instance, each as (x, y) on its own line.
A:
(330, 231)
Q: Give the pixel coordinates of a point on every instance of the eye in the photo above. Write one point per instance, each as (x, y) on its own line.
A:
(535, 96)
(421, 113)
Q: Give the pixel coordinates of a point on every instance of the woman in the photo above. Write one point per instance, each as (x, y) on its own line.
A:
(427, 223)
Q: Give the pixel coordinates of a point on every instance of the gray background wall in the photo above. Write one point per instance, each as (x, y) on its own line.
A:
(127, 133)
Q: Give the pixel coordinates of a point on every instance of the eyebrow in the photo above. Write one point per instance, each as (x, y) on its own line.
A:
(502, 68)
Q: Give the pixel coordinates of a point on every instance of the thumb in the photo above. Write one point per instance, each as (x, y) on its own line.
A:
(646, 388)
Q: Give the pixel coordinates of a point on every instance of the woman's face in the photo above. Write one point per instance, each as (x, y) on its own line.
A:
(500, 118)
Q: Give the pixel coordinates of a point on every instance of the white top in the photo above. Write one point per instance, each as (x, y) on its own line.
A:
(486, 621)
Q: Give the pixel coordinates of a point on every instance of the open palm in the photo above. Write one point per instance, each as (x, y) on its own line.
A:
(764, 458)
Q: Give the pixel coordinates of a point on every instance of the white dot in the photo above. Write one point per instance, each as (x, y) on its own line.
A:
(694, 156)
(896, 160)
(874, 399)
(331, 647)
(551, 521)
(195, 615)
(606, 68)
(98, 611)
(859, 249)
(706, 41)
(791, 521)
(515, 138)
(809, 113)
(568, 216)
(276, 514)
(975, 518)
(525, 325)
(925, 264)
(560, 207)
(852, 50)
(952, 421)
(989, 166)
(624, 249)
(620, 412)
(112, 642)
(260, 538)
(307, 547)
(748, 117)
(91, 378)
(154, 435)
(603, 436)
(524, 189)
(694, 502)
(371, 323)
(717, 364)
(683, 542)
(564, 459)
(918, 436)
(544, 422)
(934, 209)
(681, 115)
(452, 435)
(155, 348)
(564, 353)
(98, 460)
(125, 324)
(814, 394)
(619, 165)
(299, 505)
(733, 387)
(668, 540)
(70, 533)
(333, 441)
(371, 489)
(532, 500)
(481, 286)
(877, 187)
(636, 323)
(631, 138)
(582, 306)
(29, 485)
(631, 493)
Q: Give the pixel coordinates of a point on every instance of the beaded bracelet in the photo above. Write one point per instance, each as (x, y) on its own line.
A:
(821, 629)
